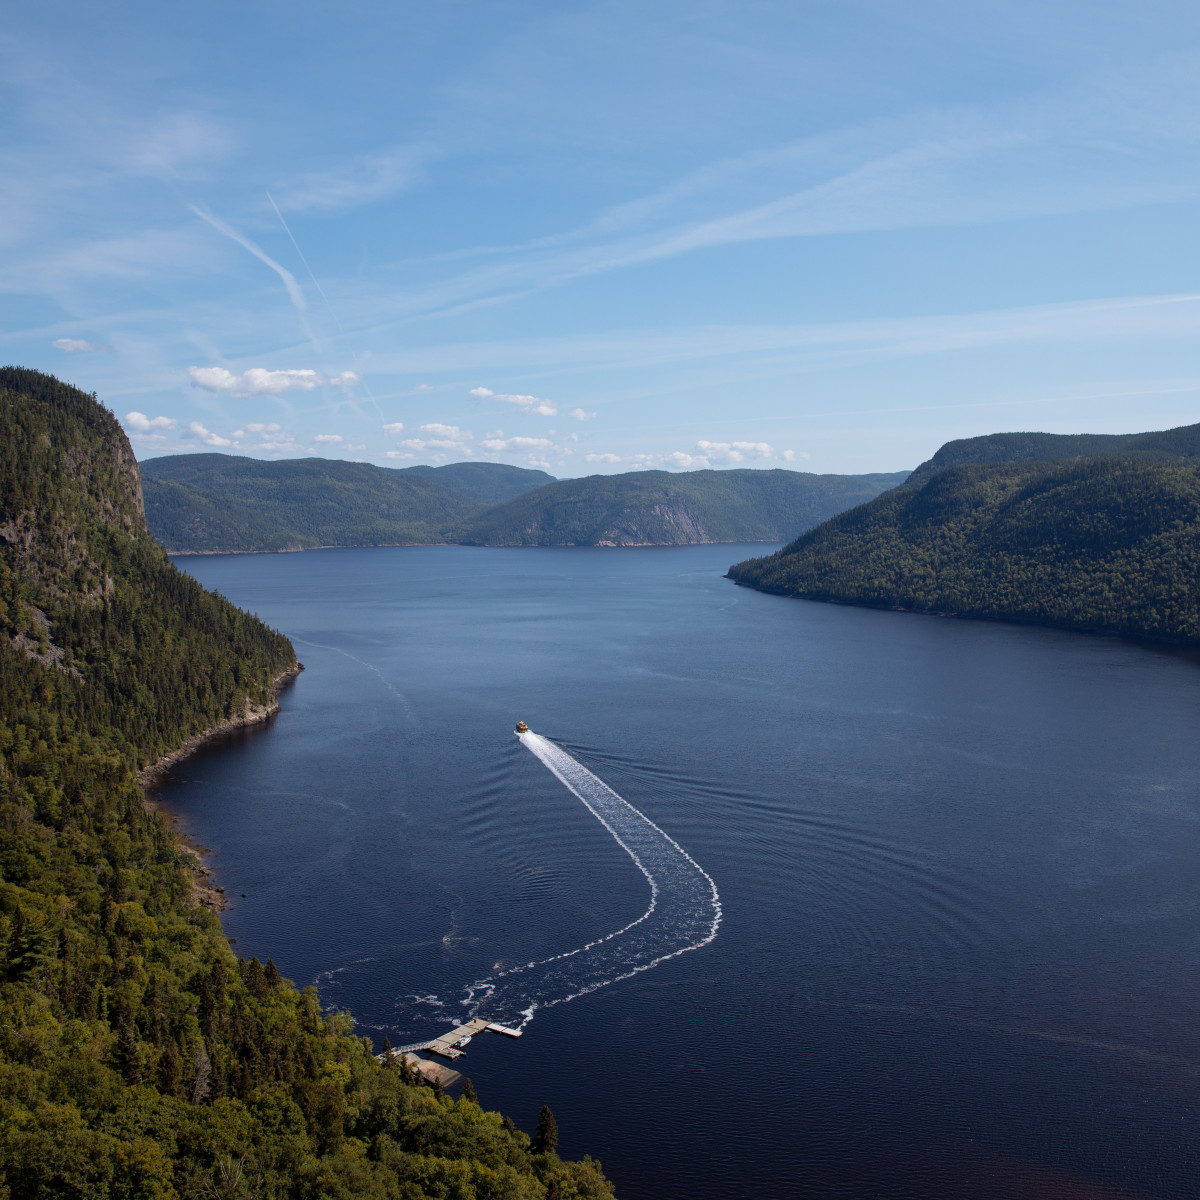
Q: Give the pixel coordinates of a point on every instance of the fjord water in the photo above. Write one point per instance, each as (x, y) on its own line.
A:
(959, 953)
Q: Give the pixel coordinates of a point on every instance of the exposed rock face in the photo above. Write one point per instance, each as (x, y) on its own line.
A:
(667, 524)
(130, 473)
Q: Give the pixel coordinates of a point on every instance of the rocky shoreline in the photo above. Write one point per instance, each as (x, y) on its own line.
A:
(207, 893)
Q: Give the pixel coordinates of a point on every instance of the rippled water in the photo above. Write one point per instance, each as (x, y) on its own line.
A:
(960, 946)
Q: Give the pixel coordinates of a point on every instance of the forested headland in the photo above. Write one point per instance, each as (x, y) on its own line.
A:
(1101, 535)
(197, 503)
(139, 1058)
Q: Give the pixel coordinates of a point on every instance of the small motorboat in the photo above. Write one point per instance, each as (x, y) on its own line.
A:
(522, 727)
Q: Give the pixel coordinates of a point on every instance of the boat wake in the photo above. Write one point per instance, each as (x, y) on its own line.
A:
(684, 912)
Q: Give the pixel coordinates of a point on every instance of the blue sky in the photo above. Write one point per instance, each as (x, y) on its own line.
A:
(605, 236)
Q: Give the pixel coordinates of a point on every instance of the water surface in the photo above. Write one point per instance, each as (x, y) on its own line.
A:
(957, 862)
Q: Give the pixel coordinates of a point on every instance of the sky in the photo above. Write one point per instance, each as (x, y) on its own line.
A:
(609, 236)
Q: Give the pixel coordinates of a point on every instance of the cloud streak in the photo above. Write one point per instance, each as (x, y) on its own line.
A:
(295, 294)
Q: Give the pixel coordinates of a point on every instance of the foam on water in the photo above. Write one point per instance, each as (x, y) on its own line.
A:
(684, 912)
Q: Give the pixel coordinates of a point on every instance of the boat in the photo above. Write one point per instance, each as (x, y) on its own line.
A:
(522, 727)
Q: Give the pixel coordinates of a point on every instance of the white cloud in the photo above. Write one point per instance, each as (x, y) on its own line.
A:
(394, 427)
(77, 345)
(208, 438)
(686, 462)
(258, 427)
(328, 437)
(424, 387)
(577, 414)
(533, 405)
(705, 456)
(497, 444)
(140, 423)
(258, 381)
(400, 454)
(439, 438)
(794, 455)
(733, 452)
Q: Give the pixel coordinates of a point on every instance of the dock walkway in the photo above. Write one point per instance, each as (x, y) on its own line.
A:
(448, 1045)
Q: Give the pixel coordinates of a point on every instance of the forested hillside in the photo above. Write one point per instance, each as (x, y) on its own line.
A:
(217, 502)
(662, 508)
(1166, 444)
(220, 502)
(1102, 544)
(138, 1057)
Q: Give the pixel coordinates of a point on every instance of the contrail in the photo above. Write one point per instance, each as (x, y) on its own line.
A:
(317, 284)
(289, 280)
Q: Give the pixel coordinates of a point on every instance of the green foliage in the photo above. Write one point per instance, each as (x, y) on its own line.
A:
(1099, 544)
(660, 508)
(138, 1057)
(1180, 443)
(212, 502)
(545, 1139)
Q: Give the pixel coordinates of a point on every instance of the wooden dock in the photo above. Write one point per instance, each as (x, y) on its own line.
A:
(447, 1044)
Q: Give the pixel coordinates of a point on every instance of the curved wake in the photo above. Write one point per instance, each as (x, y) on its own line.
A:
(684, 912)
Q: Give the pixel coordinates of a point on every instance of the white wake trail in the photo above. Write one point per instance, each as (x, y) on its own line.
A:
(684, 912)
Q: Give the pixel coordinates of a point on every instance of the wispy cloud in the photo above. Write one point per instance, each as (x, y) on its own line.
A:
(363, 181)
(1039, 154)
(1115, 319)
(78, 345)
(258, 381)
(534, 405)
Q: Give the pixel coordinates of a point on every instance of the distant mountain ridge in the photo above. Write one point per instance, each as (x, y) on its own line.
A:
(214, 503)
(197, 503)
(1100, 534)
(662, 508)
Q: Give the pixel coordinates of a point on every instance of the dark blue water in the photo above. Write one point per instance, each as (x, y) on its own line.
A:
(957, 862)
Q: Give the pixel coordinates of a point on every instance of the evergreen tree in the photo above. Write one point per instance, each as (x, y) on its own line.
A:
(469, 1092)
(545, 1139)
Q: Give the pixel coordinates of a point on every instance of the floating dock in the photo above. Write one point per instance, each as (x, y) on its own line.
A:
(450, 1045)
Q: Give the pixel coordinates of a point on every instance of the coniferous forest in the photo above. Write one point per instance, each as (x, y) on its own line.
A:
(139, 1058)
(1105, 544)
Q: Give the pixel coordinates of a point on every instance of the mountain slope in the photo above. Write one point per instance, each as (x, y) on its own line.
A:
(1105, 544)
(482, 483)
(665, 508)
(1182, 443)
(220, 502)
(138, 1056)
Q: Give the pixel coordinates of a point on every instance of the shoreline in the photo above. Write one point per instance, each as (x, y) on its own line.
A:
(207, 893)
(483, 546)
